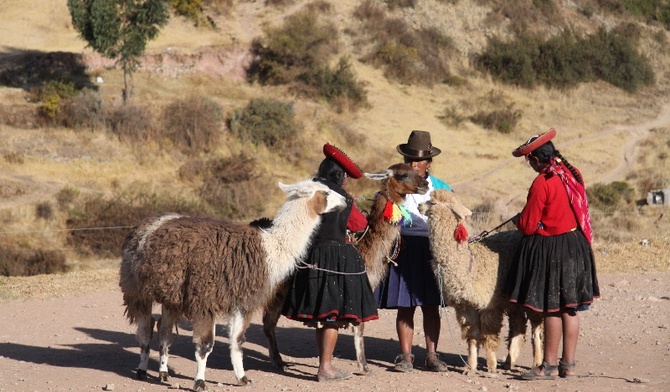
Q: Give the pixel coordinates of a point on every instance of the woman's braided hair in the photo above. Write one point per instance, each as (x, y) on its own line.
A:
(547, 151)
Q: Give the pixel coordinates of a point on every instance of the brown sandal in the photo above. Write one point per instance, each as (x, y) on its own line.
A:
(404, 363)
(542, 372)
(564, 368)
(436, 365)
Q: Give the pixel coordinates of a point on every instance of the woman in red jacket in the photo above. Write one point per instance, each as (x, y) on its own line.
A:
(555, 272)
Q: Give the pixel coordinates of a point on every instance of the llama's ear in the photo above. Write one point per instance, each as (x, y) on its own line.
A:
(379, 175)
(461, 211)
(288, 188)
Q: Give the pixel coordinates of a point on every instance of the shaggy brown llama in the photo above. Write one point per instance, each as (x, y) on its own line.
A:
(203, 268)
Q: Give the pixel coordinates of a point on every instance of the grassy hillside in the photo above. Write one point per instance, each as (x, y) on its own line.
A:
(610, 134)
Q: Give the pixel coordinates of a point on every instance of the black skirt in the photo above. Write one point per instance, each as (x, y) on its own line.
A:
(334, 289)
(552, 273)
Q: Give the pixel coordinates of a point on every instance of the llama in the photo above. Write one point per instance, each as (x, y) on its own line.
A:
(203, 268)
(472, 276)
(375, 247)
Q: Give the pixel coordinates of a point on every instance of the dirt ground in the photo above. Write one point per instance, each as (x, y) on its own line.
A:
(74, 337)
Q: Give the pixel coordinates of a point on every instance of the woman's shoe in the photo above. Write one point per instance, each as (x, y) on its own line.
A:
(436, 365)
(564, 368)
(542, 372)
(404, 363)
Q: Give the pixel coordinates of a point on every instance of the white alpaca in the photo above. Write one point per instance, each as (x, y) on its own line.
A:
(203, 268)
(472, 276)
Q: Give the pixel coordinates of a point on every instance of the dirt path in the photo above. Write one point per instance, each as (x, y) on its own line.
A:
(82, 342)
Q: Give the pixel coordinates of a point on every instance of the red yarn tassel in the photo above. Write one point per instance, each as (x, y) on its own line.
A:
(461, 233)
(388, 211)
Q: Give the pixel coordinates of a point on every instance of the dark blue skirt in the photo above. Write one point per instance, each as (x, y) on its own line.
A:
(412, 282)
(553, 273)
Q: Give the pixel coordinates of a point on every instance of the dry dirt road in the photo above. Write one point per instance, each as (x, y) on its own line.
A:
(80, 341)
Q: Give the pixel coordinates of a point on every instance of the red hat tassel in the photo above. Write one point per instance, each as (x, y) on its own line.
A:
(461, 233)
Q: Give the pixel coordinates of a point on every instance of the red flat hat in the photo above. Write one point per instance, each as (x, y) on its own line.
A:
(533, 143)
(343, 160)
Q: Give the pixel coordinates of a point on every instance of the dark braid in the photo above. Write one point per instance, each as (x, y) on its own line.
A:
(569, 166)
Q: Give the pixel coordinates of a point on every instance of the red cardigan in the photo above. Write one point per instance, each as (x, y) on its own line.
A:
(547, 211)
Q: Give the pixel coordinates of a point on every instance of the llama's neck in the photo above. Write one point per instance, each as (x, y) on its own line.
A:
(287, 241)
(454, 258)
(377, 243)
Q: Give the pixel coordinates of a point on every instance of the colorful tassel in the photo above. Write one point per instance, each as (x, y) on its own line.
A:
(388, 211)
(461, 233)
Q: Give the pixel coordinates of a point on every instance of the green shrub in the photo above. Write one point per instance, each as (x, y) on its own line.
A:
(52, 95)
(44, 211)
(193, 124)
(302, 42)
(566, 60)
(650, 10)
(338, 84)
(265, 122)
(503, 120)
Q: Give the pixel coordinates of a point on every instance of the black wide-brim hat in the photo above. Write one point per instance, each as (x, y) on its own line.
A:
(533, 143)
(343, 160)
(418, 146)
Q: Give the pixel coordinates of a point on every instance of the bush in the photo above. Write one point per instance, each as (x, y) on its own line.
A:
(566, 60)
(193, 124)
(131, 122)
(265, 122)
(608, 198)
(30, 262)
(338, 85)
(406, 54)
(503, 120)
(84, 110)
(52, 95)
(98, 225)
(302, 42)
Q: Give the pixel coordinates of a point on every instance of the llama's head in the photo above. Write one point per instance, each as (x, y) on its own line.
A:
(442, 202)
(398, 181)
(320, 199)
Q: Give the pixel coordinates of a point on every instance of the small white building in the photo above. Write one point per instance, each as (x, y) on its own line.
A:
(659, 197)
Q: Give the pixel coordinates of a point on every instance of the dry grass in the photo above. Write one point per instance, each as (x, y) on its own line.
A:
(595, 122)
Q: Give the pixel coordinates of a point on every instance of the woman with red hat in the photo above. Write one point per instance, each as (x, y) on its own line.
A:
(411, 282)
(331, 288)
(555, 272)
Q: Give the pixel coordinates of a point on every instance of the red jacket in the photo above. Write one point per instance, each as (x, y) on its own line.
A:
(357, 221)
(547, 211)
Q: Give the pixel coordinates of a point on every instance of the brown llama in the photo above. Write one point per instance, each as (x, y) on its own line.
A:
(376, 246)
(203, 268)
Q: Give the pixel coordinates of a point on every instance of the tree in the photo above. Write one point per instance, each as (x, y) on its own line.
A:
(119, 29)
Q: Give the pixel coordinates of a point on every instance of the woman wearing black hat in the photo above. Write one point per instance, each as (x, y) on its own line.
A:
(555, 271)
(331, 289)
(411, 281)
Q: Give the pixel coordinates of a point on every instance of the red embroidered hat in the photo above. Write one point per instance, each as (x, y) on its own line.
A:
(343, 160)
(534, 142)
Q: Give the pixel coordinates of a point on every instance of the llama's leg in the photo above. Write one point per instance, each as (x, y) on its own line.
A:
(491, 324)
(271, 315)
(359, 344)
(516, 337)
(237, 325)
(203, 337)
(165, 337)
(470, 332)
(537, 330)
(145, 331)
